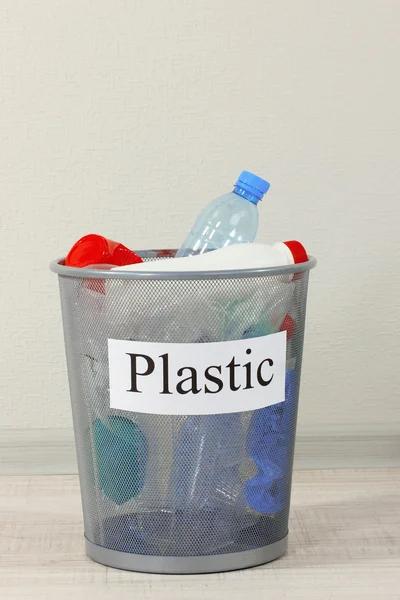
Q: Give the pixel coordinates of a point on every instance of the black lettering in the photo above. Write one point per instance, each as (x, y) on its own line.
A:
(248, 385)
(262, 381)
(193, 379)
(134, 373)
(165, 390)
(231, 366)
(213, 379)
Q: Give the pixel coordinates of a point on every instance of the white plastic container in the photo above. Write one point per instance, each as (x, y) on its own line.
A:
(233, 257)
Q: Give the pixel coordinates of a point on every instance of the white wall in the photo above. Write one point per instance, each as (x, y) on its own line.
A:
(124, 118)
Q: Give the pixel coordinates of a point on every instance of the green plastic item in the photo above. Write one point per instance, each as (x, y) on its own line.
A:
(121, 450)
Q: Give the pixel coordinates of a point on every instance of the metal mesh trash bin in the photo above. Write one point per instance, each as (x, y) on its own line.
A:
(203, 490)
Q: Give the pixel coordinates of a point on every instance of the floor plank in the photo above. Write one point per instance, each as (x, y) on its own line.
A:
(52, 451)
(344, 543)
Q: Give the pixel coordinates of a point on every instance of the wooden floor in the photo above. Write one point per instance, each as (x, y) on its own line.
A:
(344, 543)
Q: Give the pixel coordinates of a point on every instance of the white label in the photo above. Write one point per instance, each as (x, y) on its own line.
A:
(197, 379)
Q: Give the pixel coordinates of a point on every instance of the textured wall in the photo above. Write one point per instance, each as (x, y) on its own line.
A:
(126, 117)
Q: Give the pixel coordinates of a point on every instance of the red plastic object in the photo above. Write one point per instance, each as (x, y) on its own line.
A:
(95, 249)
(166, 254)
(299, 254)
(288, 325)
(298, 251)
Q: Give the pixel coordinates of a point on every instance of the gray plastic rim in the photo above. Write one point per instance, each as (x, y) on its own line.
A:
(186, 565)
(57, 267)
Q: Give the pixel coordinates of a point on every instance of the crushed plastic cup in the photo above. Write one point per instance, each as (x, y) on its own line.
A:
(95, 249)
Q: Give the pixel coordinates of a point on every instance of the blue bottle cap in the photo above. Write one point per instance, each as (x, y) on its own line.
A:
(252, 184)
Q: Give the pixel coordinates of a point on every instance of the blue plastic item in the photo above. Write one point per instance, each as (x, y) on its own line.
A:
(230, 219)
(270, 445)
(123, 533)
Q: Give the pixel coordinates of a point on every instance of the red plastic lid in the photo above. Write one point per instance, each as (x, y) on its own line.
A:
(298, 251)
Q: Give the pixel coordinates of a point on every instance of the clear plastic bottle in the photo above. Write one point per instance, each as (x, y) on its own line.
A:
(230, 219)
(205, 488)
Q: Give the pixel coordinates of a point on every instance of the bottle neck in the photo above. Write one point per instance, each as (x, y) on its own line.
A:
(245, 194)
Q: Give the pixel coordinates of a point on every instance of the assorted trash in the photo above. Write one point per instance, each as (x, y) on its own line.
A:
(206, 487)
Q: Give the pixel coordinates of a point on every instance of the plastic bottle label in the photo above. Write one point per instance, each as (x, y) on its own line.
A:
(197, 379)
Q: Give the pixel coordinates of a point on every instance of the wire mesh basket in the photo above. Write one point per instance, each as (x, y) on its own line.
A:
(199, 491)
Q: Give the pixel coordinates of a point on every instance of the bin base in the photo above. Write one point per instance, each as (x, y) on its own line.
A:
(186, 564)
